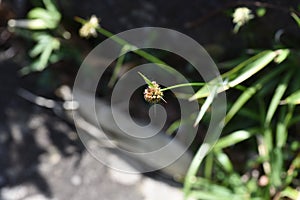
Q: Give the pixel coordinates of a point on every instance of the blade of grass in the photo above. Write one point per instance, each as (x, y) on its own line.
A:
(276, 165)
(293, 170)
(182, 85)
(240, 73)
(233, 73)
(250, 113)
(118, 66)
(265, 58)
(263, 153)
(206, 105)
(211, 195)
(224, 161)
(146, 80)
(294, 98)
(280, 90)
(290, 193)
(246, 95)
(234, 138)
(137, 51)
(209, 161)
(296, 18)
(194, 167)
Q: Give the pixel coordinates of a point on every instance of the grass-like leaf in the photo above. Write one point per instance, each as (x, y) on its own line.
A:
(224, 161)
(296, 18)
(206, 104)
(233, 138)
(292, 99)
(240, 73)
(280, 90)
(118, 66)
(146, 79)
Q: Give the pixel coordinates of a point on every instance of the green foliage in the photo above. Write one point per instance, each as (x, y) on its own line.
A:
(266, 109)
(42, 51)
(260, 12)
(296, 18)
(43, 27)
(49, 15)
(293, 98)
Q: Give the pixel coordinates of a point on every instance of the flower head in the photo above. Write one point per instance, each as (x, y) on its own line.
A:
(153, 93)
(241, 16)
(89, 28)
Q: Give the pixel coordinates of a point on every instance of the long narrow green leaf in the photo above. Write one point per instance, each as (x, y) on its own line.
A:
(182, 85)
(209, 163)
(292, 99)
(216, 194)
(265, 58)
(276, 165)
(206, 104)
(233, 138)
(240, 73)
(194, 167)
(281, 134)
(39, 13)
(284, 53)
(49, 4)
(118, 66)
(268, 141)
(233, 73)
(146, 79)
(224, 161)
(296, 18)
(36, 50)
(280, 90)
(206, 189)
(291, 193)
(264, 152)
(293, 170)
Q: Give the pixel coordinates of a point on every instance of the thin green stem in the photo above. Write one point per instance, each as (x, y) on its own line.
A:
(133, 48)
(118, 66)
(139, 52)
(183, 85)
(193, 169)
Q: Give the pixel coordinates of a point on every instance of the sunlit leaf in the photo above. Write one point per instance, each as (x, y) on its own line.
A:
(279, 92)
(233, 138)
(206, 104)
(263, 59)
(240, 73)
(284, 53)
(292, 99)
(296, 18)
(276, 164)
(290, 193)
(39, 13)
(224, 161)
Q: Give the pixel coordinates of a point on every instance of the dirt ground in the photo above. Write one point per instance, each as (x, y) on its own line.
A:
(42, 158)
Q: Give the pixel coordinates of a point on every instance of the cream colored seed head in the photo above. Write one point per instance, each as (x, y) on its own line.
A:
(153, 94)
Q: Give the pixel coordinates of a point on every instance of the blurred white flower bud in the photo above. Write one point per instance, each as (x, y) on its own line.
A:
(89, 28)
(241, 16)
